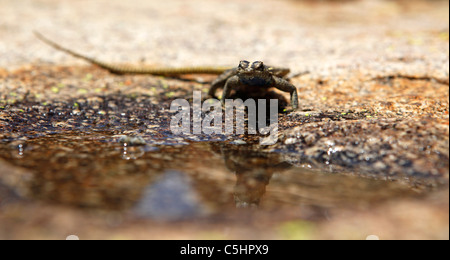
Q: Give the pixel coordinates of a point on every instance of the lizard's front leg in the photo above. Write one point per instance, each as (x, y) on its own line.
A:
(286, 86)
(232, 83)
(220, 81)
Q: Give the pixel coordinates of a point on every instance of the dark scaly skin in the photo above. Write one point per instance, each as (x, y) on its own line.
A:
(245, 75)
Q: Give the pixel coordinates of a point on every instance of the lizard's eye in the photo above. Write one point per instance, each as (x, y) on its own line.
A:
(258, 65)
(243, 64)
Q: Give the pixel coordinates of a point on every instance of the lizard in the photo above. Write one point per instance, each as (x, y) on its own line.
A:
(250, 77)
(246, 77)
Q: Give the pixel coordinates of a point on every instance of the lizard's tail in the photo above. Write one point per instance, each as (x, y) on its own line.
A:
(73, 53)
(125, 69)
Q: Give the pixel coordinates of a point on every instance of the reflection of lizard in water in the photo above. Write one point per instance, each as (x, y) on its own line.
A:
(248, 78)
(253, 171)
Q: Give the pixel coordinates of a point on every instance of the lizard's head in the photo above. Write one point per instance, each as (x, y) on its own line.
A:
(245, 67)
(257, 69)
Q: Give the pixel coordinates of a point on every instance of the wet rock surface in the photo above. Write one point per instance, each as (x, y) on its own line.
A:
(366, 154)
